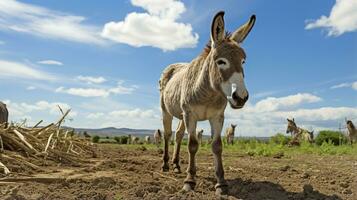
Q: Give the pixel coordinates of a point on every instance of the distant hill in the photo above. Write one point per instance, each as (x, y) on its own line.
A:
(112, 131)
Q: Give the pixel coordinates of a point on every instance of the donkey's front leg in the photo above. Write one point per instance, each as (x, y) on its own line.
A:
(191, 124)
(216, 128)
(180, 131)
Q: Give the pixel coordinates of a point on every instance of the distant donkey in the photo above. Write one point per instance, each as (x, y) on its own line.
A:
(4, 114)
(298, 134)
(135, 140)
(147, 139)
(199, 136)
(229, 135)
(157, 137)
(352, 131)
(200, 90)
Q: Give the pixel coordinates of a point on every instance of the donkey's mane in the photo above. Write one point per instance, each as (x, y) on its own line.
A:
(351, 124)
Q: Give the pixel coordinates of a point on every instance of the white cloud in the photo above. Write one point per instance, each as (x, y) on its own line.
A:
(342, 19)
(50, 62)
(91, 79)
(97, 92)
(135, 113)
(158, 27)
(273, 103)
(31, 88)
(9, 69)
(354, 85)
(342, 85)
(95, 115)
(43, 22)
(261, 121)
(20, 111)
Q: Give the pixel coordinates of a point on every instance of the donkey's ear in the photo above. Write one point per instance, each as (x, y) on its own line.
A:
(241, 33)
(293, 120)
(217, 28)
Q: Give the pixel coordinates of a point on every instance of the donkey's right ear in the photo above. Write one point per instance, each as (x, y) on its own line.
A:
(217, 28)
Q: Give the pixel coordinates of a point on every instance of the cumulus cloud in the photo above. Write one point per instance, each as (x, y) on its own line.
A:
(9, 69)
(354, 85)
(21, 110)
(50, 62)
(342, 19)
(31, 88)
(91, 79)
(255, 119)
(158, 27)
(36, 20)
(97, 92)
(273, 103)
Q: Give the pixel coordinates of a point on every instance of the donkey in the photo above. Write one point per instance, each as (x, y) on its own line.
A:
(147, 139)
(298, 133)
(200, 90)
(4, 114)
(230, 134)
(352, 131)
(135, 140)
(157, 137)
(199, 136)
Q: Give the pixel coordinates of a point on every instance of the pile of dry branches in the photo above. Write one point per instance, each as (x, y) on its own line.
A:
(31, 148)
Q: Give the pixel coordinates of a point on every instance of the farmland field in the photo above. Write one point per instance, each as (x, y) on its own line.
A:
(133, 172)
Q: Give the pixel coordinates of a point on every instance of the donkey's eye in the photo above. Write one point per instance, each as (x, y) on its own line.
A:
(243, 61)
(221, 62)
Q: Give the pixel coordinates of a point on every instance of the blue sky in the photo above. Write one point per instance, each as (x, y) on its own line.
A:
(104, 60)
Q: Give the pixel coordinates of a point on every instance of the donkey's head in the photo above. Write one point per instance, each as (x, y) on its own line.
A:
(228, 57)
(291, 126)
(233, 126)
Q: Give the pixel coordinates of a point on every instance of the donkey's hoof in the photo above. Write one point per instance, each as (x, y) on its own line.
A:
(165, 168)
(187, 187)
(221, 190)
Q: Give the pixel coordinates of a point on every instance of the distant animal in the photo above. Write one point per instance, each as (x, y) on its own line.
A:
(86, 135)
(147, 140)
(352, 131)
(157, 137)
(200, 90)
(129, 139)
(199, 136)
(135, 140)
(230, 134)
(4, 114)
(298, 134)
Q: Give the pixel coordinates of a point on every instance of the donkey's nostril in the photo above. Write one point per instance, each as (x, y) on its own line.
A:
(246, 98)
(234, 96)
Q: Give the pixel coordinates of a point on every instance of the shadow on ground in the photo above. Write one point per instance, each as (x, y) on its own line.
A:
(250, 190)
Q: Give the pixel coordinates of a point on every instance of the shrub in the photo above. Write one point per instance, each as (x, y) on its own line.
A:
(280, 138)
(121, 139)
(95, 139)
(334, 137)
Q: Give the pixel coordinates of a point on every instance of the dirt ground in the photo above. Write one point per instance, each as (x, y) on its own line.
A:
(122, 172)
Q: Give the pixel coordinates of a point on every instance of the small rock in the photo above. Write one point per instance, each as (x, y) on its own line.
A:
(347, 191)
(344, 185)
(332, 182)
(284, 168)
(305, 175)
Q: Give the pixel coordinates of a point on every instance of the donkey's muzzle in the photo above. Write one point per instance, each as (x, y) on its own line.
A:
(238, 102)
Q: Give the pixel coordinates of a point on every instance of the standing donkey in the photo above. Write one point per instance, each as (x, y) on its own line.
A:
(352, 131)
(157, 137)
(4, 114)
(200, 90)
(199, 136)
(230, 134)
(298, 133)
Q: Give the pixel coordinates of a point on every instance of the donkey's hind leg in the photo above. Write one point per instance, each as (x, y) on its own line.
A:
(167, 122)
(180, 132)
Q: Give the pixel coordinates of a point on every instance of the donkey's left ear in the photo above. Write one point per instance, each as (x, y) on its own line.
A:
(242, 32)
(217, 28)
